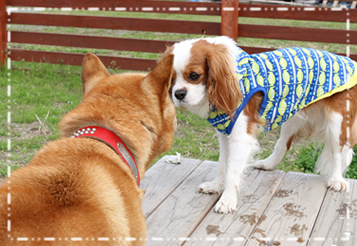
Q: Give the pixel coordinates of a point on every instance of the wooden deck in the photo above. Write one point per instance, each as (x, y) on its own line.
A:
(275, 208)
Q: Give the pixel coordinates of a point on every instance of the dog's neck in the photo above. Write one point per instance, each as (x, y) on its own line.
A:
(112, 140)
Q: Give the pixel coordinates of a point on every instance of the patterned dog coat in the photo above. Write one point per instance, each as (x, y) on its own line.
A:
(290, 80)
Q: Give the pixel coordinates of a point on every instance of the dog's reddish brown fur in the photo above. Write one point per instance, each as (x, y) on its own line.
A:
(79, 187)
(337, 103)
(334, 103)
(220, 79)
(252, 111)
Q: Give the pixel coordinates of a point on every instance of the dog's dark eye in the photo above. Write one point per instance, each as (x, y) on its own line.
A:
(194, 76)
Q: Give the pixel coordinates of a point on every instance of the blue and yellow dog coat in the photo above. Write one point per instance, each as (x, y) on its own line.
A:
(290, 80)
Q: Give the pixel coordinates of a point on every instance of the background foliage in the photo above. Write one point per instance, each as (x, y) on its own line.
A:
(41, 94)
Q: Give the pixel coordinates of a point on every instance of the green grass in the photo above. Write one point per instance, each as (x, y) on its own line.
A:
(198, 135)
(44, 93)
(41, 94)
(306, 157)
(42, 89)
(267, 43)
(57, 88)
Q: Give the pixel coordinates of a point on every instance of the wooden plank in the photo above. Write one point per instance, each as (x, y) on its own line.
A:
(135, 64)
(76, 59)
(3, 32)
(209, 28)
(162, 179)
(254, 50)
(86, 41)
(127, 44)
(198, 8)
(296, 13)
(229, 19)
(291, 214)
(136, 24)
(297, 33)
(179, 214)
(234, 229)
(177, 7)
(337, 220)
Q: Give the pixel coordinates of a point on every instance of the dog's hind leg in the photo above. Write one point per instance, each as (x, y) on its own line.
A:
(216, 186)
(288, 131)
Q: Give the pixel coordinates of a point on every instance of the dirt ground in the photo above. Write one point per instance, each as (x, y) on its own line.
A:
(22, 132)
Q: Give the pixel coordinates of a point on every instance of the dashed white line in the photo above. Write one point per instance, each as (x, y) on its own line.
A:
(228, 9)
(174, 9)
(49, 239)
(184, 239)
(22, 239)
(66, 9)
(201, 9)
(238, 239)
(76, 239)
(170, 9)
(292, 239)
(103, 238)
(255, 9)
(211, 238)
(130, 239)
(157, 239)
(147, 9)
(282, 9)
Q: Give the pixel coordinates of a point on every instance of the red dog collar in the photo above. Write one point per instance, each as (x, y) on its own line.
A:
(113, 141)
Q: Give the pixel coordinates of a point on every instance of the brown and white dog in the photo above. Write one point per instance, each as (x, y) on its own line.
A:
(205, 81)
(84, 189)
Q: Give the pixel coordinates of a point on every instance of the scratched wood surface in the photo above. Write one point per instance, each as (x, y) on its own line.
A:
(275, 208)
(337, 223)
(179, 214)
(161, 181)
(230, 229)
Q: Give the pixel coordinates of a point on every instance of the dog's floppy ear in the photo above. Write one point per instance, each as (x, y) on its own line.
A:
(93, 71)
(222, 83)
(160, 77)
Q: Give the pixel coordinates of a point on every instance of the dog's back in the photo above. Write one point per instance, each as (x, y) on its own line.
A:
(80, 189)
(73, 189)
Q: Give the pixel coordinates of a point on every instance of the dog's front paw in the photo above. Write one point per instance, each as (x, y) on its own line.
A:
(337, 184)
(226, 204)
(213, 187)
(263, 165)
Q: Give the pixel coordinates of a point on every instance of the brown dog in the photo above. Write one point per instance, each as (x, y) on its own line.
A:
(78, 190)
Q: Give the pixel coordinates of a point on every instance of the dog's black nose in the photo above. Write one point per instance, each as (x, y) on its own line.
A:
(180, 94)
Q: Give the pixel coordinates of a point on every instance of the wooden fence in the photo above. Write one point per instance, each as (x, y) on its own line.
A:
(229, 10)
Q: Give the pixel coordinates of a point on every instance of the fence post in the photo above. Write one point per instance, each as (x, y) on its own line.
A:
(229, 18)
(3, 32)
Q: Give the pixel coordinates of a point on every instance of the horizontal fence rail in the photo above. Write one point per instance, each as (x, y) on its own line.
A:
(95, 42)
(298, 34)
(77, 59)
(198, 8)
(297, 13)
(291, 33)
(172, 7)
(117, 23)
